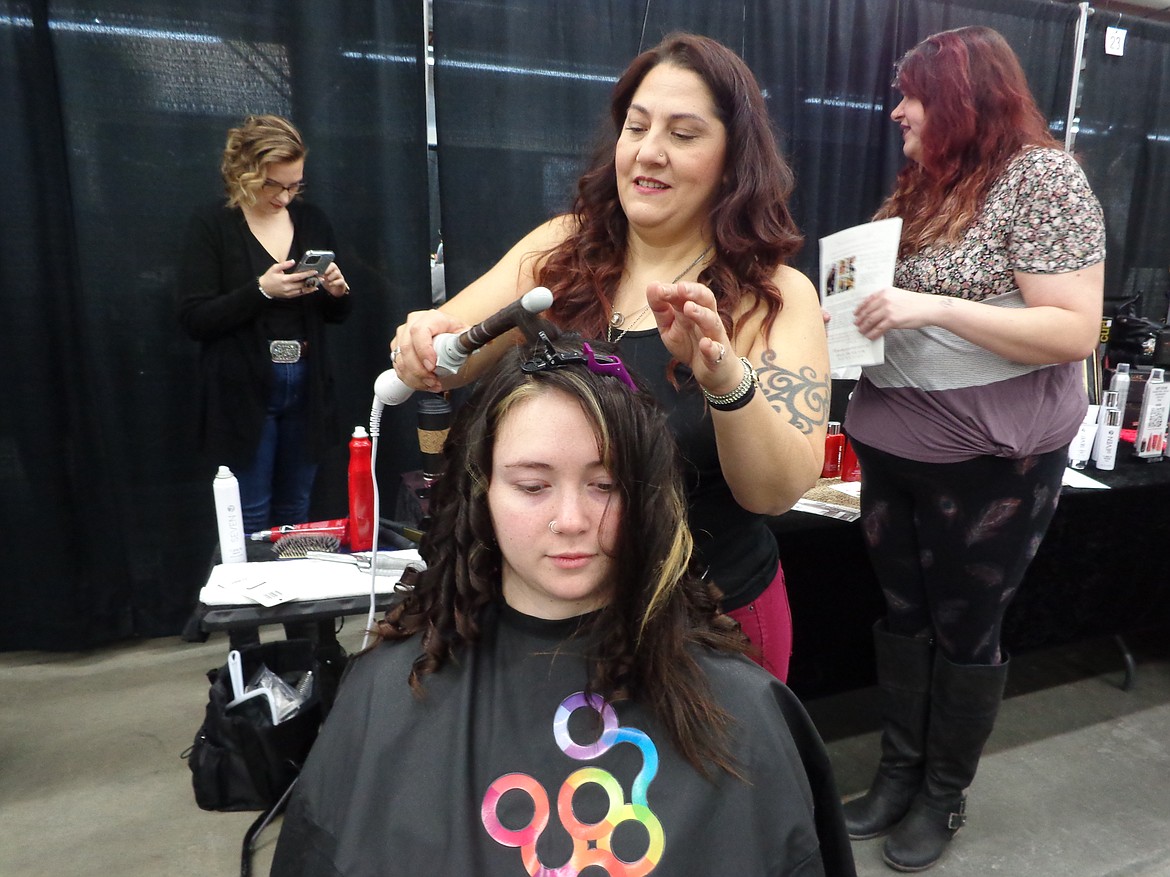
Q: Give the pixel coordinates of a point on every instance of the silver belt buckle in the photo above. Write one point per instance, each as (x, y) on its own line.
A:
(285, 352)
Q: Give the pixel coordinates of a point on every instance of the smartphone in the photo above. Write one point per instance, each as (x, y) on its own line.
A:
(314, 260)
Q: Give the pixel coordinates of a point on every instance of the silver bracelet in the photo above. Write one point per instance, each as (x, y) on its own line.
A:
(260, 286)
(738, 397)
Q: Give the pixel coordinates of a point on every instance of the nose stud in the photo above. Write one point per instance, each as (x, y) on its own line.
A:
(552, 525)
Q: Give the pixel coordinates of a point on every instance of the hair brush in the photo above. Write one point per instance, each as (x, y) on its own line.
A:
(296, 545)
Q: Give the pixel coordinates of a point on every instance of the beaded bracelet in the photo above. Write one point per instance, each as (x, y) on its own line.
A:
(738, 397)
(260, 286)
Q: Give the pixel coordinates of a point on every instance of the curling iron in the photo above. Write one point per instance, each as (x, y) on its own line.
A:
(452, 351)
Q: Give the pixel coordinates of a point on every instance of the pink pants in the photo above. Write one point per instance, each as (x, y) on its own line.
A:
(767, 623)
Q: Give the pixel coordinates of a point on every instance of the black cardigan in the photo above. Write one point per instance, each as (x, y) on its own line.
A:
(220, 306)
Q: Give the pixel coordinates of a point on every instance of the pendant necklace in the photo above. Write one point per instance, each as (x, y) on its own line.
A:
(618, 318)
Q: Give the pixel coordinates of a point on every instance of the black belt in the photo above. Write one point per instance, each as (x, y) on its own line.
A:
(287, 351)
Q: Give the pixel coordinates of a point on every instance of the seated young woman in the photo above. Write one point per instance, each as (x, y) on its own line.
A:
(557, 694)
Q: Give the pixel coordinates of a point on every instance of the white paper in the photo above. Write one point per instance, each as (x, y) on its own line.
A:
(1076, 478)
(826, 509)
(1115, 41)
(849, 488)
(273, 582)
(854, 263)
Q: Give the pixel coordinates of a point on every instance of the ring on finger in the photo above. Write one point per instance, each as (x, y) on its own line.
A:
(394, 354)
(722, 351)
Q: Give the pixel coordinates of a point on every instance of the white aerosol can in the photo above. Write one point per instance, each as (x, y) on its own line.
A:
(229, 516)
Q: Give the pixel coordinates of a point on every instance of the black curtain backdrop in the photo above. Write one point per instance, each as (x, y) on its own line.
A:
(1124, 144)
(521, 87)
(115, 117)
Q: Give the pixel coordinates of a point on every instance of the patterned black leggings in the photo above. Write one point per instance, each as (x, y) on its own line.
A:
(949, 542)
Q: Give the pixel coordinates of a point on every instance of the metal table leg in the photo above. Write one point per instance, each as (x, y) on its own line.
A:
(1130, 666)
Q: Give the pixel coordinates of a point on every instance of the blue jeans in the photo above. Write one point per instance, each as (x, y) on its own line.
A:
(276, 486)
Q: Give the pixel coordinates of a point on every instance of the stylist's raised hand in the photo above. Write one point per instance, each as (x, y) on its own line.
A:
(689, 325)
(413, 350)
(894, 308)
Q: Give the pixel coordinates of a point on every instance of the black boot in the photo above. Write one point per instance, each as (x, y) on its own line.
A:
(964, 701)
(903, 668)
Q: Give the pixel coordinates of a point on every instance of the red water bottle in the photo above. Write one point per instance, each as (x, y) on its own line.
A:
(834, 445)
(361, 492)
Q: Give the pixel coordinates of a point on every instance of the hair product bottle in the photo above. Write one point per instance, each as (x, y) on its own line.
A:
(850, 467)
(1151, 429)
(229, 516)
(1108, 434)
(834, 448)
(1082, 445)
(1104, 437)
(361, 492)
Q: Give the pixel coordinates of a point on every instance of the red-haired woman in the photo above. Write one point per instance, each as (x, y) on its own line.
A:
(962, 433)
(675, 250)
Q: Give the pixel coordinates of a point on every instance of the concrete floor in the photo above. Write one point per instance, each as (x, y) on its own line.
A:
(1075, 783)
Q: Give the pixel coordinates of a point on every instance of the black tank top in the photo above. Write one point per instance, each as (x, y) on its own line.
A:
(736, 545)
(281, 318)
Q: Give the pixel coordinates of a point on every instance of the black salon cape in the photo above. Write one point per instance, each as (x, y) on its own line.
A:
(449, 785)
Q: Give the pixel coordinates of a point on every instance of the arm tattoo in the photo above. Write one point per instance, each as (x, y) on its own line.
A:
(802, 396)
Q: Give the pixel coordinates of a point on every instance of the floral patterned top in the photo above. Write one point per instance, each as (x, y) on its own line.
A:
(939, 398)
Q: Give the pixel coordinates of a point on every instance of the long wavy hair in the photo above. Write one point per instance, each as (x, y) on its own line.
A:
(641, 645)
(754, 232)
(250, 149)
(979, 114)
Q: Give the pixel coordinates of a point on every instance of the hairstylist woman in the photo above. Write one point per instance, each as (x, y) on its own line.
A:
(265, 391)
(675, 250)
(963, 432)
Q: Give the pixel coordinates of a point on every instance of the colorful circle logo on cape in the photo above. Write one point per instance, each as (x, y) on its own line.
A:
(592, 841)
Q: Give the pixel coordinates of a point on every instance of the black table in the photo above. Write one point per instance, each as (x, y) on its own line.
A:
(206, 618)
(211, 618)
(1103, 569)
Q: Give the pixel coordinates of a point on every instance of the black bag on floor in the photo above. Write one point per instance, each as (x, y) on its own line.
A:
(240, 760)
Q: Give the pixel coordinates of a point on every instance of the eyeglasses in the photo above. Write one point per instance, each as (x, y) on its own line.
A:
(272, 187)
(600, 365)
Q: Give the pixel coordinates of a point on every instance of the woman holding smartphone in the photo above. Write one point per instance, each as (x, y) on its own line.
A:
(265, 393)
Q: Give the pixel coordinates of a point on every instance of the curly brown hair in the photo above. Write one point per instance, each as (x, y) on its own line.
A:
(259, 142)
(754, 232)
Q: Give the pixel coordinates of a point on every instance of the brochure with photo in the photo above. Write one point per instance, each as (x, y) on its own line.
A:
(854, 263)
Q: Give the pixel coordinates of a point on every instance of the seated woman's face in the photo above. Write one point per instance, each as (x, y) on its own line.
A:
(546, 469)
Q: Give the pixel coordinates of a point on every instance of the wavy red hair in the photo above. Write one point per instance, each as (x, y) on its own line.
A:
(754, 232)
(979, 114)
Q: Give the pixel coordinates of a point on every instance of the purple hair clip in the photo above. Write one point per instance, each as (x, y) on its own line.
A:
(610, 366)
(607, 365)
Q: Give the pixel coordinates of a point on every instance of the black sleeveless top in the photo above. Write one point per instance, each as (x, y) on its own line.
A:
(736, 545)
